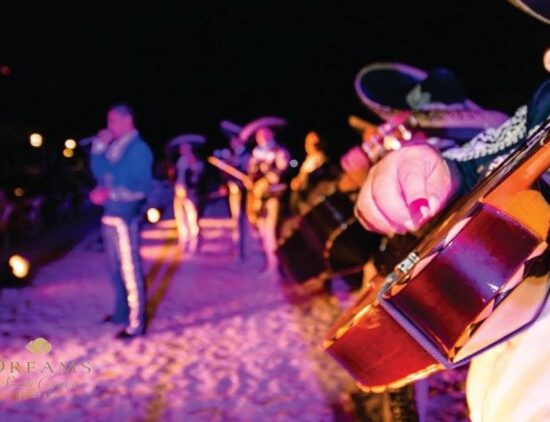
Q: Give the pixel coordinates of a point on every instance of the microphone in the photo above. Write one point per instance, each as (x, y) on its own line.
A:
(87, 141)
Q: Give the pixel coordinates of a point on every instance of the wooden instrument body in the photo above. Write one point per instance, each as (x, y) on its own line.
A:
(328, 240)
(463, 291)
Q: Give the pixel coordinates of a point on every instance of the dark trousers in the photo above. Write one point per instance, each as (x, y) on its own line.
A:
(121, 239)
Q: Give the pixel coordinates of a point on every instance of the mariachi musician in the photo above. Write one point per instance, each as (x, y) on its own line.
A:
(338, 248)
(189, 169)
(316, 177)
(236, 155)
(266, 170)
(433, 106)
(122, 166)
(511, 381)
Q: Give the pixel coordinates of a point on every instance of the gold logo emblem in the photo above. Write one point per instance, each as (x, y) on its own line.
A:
(39, 345)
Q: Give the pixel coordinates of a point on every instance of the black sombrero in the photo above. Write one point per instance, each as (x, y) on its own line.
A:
(188, 138)
(230, 129)
(539, 9)
(436, 99)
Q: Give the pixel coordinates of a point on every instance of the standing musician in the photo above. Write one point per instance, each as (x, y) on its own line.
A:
(315, 178)
(238, 156)
(189, 168)
(121, 163)
(511, 381)
(266, 169)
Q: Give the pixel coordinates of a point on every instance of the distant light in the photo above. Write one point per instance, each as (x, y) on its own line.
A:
(391, 143)
(405, 133)
(70, 143)
(19, 266)
(36, 140)
(293, 163)
(153, 215)
(5, 70)
(68, 153)
(19, 192)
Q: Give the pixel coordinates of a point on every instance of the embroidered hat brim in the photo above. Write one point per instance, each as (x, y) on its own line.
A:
(539, 9)
(391, 88)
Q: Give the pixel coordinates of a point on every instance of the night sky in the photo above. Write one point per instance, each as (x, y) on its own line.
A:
(186, 68)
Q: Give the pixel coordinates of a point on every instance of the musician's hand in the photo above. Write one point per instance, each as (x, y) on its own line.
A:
(404, 190)
(105, 136)
(356, 165)
(248, 183)
(99, 195)
(260, 187)
(295, 184)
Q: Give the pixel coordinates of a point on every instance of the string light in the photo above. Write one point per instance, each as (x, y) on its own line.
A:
(36, 140)
(153, 215)
(19, 266)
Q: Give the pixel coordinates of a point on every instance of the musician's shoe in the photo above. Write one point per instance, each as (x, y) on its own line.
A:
(192, 245)
(128, 334)
(110, 319)
(183, 244)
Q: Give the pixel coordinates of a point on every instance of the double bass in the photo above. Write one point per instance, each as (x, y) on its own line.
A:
(480, 276)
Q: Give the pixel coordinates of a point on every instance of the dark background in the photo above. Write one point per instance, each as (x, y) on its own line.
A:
(186, 68)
